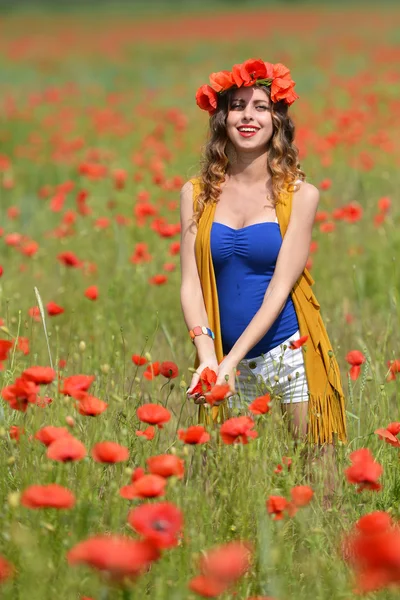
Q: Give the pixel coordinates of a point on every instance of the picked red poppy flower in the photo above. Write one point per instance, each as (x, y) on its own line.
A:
(120, 556)
(195, 434)
(237, 430)
(355, 358)
(154, 414)
(66, 449)
(109, 452)
(217, 394)
(207, 379)
(148, 433)
(49, 434)
(39, 375)
(47, 496)
(166, 465)
(389, 434)
(161, 523)
(260, 406)
(364, 471)
(298, 343)
(227, 562)
(147, 486)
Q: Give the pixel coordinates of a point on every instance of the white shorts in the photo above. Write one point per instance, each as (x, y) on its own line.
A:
(280, 373)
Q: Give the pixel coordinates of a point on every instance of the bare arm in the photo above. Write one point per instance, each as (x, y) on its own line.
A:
(291, 261)
(192, 301)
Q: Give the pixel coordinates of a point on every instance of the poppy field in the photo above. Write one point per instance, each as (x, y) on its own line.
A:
(109, 487)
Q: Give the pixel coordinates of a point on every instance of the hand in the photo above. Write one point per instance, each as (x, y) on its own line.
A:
(210, 362)
(227, 368)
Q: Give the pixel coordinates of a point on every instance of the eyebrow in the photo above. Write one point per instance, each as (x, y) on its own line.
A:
(242, 100)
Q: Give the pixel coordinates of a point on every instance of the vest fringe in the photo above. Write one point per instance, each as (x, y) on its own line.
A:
(326, 418)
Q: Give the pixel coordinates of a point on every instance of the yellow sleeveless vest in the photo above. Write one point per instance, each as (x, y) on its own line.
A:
(326, 411)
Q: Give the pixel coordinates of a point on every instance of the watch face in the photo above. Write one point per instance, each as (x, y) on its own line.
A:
(197, 330)
(204, 329)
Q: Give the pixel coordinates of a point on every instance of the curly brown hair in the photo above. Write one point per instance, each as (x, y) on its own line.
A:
(282, 152)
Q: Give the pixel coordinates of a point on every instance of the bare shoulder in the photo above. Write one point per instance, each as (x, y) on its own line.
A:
(187, 189)
(308, 194)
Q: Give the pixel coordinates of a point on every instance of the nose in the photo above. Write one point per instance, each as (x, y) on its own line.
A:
(247, 113)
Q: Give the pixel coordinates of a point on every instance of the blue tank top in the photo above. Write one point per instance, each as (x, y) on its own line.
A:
(244, 261)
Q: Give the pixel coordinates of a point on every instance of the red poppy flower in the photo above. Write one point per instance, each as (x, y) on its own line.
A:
(47, 496)
(39, 375)
(152, 370)
(276, 505)
(69, 259)
(120, 556)
(260, 406)
(301, 495)
(148, 433)
(227, 562)
(90, 406)
(207, 587)
(54, 309)
(221, 81)
(195, 434)
(160, 523)
(6, 569)
(355, 358)
(237, 430)
(389, 434)
(206, 98)
(66, 449)
(5, 347)
(154, 414)
(394, 369)
(364, 471)
(372, 549)
(76, 383)
(92, 292)
(49, 434)
(169, 369)
(109, 452)
(148, 486)
(139, 360)
(217, 393)
(298, 343)
(16, 432)
(207, 380)
(166, 465)
(20, 394)
(23, 345)
(137, 474)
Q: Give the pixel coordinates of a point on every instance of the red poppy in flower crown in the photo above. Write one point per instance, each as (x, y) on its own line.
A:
(252, 71)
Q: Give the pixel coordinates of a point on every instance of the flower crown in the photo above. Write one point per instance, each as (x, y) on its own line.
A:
(249, 73)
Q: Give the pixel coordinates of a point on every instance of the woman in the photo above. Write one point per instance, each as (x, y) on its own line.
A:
(246, 293)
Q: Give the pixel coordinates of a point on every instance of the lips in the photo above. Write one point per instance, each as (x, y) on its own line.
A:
(248, 133)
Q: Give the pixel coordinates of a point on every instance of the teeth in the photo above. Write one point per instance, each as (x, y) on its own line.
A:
(247, 129)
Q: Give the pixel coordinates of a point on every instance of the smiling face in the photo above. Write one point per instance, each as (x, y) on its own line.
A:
(249, 123)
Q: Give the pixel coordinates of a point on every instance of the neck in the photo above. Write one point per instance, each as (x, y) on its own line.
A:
(250, 170)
